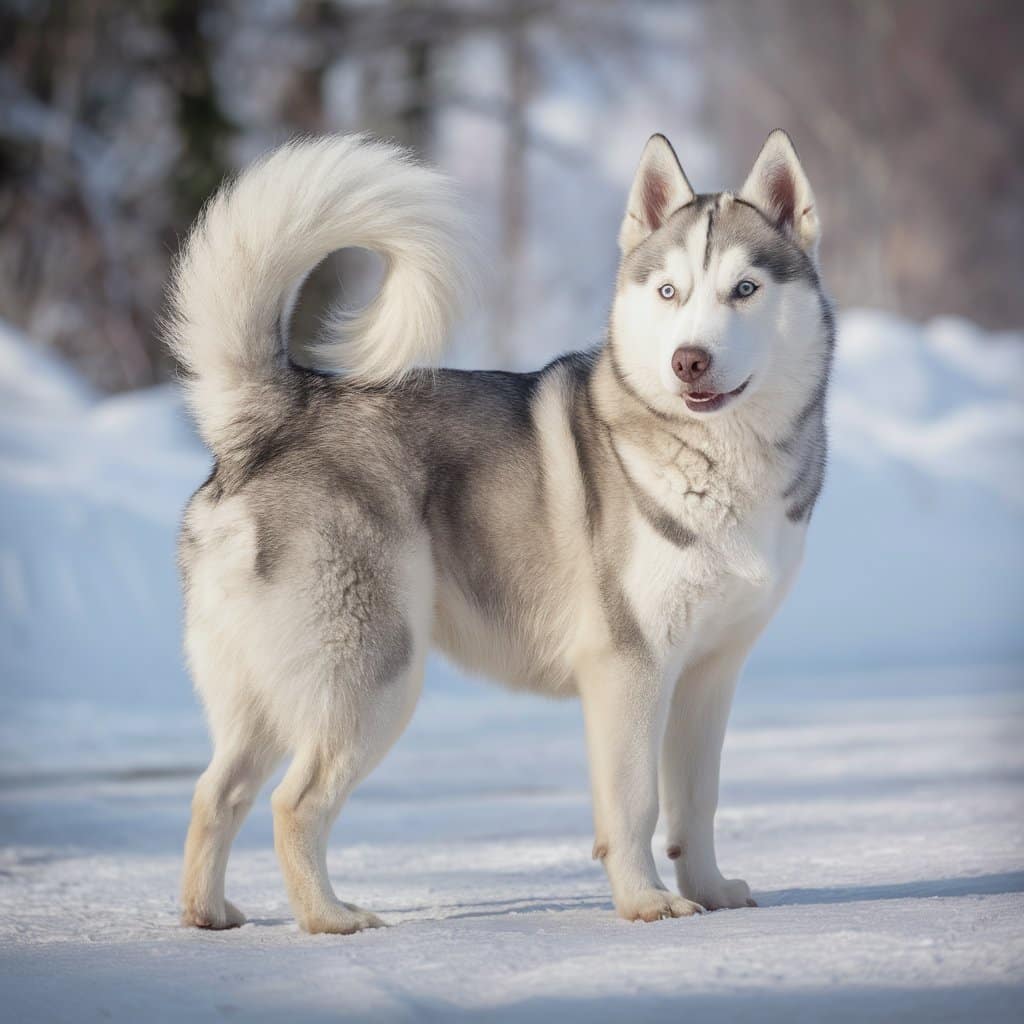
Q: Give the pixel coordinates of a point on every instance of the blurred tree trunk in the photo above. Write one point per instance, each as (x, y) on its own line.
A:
(417, 115)
(514, 190)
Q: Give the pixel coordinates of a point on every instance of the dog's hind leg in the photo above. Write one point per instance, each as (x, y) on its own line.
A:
(305, 806)
(313, 791)
(242, 762)
(361, 687)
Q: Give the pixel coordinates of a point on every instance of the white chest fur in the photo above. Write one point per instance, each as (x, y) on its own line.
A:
(743, 559)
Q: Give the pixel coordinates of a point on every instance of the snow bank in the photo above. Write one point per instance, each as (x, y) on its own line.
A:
(946, 401)
(916, 551)
(90, 491)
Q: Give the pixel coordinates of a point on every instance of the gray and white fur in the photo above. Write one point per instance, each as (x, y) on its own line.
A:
(619, 525)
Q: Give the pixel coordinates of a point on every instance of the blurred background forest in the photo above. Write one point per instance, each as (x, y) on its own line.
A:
(119, 117)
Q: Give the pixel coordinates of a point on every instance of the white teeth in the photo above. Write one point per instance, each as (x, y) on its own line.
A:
(707, 398)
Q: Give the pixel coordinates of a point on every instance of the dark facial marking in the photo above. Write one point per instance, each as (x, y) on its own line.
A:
(784, 262)
(809, 482)
(814, 405)
(805, 487)
(707, 241)
(770, 248)
(807, 470)
(808, 438)
(649, 256)
(828, 322)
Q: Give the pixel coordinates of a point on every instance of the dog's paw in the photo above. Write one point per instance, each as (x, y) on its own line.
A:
(225, 916)
(340, 919)
(723, 894)
(654, 905)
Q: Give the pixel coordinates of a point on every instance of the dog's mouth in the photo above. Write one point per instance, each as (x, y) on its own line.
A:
(712, 401)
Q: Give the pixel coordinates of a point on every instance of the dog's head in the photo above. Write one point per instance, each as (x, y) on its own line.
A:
(719, 306)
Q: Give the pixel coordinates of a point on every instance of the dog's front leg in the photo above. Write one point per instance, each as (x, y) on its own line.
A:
(690, 762)
(624, 708)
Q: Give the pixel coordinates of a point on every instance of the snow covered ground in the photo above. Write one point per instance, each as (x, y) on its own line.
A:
(872, 787)
(880, 827)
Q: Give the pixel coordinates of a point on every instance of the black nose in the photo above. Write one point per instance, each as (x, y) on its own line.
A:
(690, 364)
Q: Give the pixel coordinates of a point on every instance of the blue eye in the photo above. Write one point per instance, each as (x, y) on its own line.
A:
(666, 291)
(744, 290)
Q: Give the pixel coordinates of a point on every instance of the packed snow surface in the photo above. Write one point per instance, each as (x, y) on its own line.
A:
(871, 782)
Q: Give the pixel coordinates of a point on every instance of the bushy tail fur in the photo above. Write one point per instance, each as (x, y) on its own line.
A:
(249, 252)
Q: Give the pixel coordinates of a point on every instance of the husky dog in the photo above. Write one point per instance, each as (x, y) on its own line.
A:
(619, 525)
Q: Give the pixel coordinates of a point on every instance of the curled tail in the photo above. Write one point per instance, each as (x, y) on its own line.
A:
(258, 238)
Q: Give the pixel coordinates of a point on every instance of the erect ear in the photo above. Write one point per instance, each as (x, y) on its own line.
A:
(778, 187)
(659, 189)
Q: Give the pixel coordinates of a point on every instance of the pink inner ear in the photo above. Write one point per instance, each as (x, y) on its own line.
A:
(654, 198)
(781, 194)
